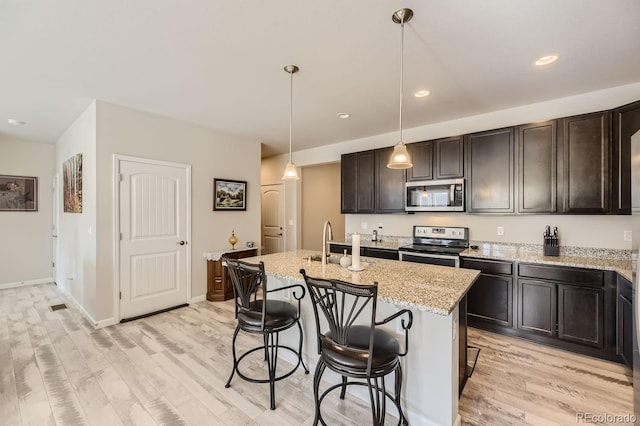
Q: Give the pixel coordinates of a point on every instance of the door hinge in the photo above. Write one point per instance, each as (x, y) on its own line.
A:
(121, 236)
(53, 264)
(121, 177)
(120, 295)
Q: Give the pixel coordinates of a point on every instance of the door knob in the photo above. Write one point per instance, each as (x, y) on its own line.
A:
(181, 243)
(280, 234)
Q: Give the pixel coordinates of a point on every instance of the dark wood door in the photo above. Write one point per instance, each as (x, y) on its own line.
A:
(585, 163)
(580, 315)
(625, 329)
(489, 171)
(422, 159)
(626, 122)
(357, 182)
(449, 158)
(537, 306)
(537, 165)
(389, 188)
(490, 301)
(381, 253)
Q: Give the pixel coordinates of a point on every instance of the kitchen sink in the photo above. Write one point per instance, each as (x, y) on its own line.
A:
(318, 258)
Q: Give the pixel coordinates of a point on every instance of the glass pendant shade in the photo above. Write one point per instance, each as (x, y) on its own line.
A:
(400, 158)
(290, 172)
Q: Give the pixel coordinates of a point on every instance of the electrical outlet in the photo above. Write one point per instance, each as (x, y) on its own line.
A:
(627, 235)
(363, 225)
(500, 230)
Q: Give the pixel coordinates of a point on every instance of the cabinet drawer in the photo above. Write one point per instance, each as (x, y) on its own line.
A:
(381, 253)
(576, 276)
(624, 288)
(494, 267)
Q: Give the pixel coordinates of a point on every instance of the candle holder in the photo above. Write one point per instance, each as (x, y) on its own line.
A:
(233, 240)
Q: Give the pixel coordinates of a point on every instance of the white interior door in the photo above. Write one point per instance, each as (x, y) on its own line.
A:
(272, 201)
(54, 228)
(154, 224)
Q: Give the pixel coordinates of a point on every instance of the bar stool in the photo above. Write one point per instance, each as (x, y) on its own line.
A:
(352, 345)
(265, 317)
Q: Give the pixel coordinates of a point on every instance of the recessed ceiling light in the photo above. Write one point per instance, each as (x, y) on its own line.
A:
(421, 93)
(15, 122)
(546, 60)
(343, 115)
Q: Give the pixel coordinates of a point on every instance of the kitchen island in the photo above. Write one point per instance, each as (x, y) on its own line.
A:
(433, 293)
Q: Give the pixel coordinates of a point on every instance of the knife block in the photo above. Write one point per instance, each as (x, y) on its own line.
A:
(551, 246)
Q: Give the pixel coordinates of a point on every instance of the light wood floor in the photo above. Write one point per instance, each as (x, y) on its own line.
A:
(170, 369)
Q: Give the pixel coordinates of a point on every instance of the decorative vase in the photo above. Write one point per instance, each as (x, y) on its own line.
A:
(233, 240)
(344, 260)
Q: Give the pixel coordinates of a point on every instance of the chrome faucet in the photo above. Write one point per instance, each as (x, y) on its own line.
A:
(325, 252)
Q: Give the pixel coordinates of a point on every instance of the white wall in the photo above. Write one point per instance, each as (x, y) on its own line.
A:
(211, 154)
(76, 272)
(26, 249)
(590, 231)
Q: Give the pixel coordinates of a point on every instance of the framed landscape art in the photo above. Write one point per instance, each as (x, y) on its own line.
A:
(229, 194)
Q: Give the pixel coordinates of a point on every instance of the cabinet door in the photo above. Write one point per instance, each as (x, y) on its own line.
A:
(349, 183)
(422, 159)
(449, 158)
(490, 300)
(580, 315)
(537, 181)
(357, 182)
(626, 123)
(585, 163)
(537, 306)
(381, 253)
(489, 163)
(625, 329)
(389, 188)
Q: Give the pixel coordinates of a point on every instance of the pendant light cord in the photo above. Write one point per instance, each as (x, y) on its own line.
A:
(290, 112)
(401, 74)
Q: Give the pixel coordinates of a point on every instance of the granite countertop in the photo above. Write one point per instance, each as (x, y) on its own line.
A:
(384, 244)
(432, 288)
(611, 260)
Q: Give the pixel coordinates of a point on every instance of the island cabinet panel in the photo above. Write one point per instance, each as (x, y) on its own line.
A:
(389, 188)
(580, 315)
(436, 159)
(537, 307)
(585, 163)
(381, 253)
(624, 339)
(219, 287)
(537, 168)
(490, 299)
(489, 170)
(626, 123)
(357, 182)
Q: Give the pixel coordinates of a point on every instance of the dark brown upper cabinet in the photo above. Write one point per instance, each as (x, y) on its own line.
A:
(585, 163)
(389, 192)
(626, 123)
(489, 170)
(357, 182)
(537, 167)
(436, 159)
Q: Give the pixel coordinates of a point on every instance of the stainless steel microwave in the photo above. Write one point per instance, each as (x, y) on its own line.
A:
(435, 195)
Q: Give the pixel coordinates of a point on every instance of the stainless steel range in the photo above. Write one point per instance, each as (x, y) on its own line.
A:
(436, 245)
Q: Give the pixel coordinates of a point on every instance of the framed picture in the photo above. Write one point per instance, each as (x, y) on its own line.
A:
(72, 184)
(229, 194)
(18, 193)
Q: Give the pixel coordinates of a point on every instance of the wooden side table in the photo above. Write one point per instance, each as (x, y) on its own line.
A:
(219, 287)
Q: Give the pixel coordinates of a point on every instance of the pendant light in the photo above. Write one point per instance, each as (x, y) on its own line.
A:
(400, 158)
(290, 172)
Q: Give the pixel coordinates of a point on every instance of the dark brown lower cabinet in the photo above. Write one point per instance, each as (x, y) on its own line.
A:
(580, 315)
(625, 321)
(537, 306)
(490, 299)
(219, 287)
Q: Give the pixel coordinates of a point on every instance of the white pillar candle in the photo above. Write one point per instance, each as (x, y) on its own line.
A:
(355, 251)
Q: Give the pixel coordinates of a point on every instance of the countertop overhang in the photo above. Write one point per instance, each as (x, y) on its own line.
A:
(432, 288)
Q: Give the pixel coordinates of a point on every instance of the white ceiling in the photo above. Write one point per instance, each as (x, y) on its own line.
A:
(219, 63)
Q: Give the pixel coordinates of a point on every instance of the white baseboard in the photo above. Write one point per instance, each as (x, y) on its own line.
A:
(79, 307)
(25, 283)
(197, 299)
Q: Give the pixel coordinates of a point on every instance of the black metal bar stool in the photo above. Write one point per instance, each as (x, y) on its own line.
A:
(353, 346)
(257, 315)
